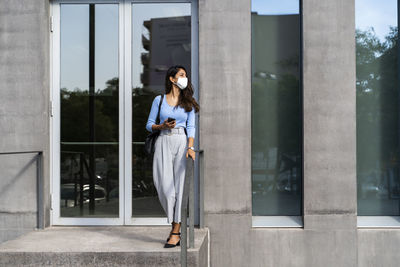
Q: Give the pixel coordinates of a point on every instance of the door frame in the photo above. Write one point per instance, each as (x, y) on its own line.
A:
(125, 113)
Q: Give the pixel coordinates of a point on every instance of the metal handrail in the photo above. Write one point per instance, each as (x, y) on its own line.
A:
(39, 178)
(188, 198)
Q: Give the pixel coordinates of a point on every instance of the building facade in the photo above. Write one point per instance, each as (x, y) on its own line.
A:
(287, 181)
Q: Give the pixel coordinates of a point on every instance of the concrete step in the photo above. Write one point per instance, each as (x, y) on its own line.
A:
(100, 246)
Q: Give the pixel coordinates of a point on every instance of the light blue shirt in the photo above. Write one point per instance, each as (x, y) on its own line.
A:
(183, 118)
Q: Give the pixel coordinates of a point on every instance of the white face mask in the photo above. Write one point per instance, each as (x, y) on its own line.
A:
(182, 82)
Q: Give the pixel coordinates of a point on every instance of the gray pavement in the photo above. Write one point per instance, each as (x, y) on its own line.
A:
(96, 239)
(100, 246)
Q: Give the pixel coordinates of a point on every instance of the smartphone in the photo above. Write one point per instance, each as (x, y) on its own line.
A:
(170, 119)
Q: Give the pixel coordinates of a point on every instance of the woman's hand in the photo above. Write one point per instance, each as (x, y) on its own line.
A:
(168, 125)
(190, 153)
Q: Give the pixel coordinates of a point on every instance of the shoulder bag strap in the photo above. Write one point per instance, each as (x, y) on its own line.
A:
(159, 107)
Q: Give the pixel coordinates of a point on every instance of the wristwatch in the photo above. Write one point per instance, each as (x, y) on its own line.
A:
(192, 148)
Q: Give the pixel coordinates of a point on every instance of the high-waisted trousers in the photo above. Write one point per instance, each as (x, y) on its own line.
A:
(169, 166)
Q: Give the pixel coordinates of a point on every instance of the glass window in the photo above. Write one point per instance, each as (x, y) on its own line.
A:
(377, 88)
(276, 108)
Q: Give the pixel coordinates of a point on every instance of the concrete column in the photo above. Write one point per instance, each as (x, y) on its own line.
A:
(330, 195)
(225, 124)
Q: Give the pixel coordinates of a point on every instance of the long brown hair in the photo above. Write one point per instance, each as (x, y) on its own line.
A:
(186, 99)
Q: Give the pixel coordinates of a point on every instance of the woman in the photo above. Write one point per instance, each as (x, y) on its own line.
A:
(173, 146)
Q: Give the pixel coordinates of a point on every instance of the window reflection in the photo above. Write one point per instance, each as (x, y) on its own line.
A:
(377, 86)
(161, 37)
(276, 108)
(89, 110)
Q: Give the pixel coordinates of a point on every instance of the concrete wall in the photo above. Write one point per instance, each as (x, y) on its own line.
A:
(330, 236)
(377, 247)
(24, 123)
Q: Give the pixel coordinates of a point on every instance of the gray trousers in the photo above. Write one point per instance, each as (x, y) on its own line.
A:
(169, 166)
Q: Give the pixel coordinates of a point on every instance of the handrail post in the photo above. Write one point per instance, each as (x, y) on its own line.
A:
(191, 207)
(188, 198)
(39, 177)
(201, 188)
(185, 198)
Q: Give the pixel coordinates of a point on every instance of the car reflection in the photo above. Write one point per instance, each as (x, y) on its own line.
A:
(139, 189)
(379, 184)
(70, 194)
(283, 176)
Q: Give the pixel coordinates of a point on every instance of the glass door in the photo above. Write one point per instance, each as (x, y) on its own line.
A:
(109, 59)
(87, 148)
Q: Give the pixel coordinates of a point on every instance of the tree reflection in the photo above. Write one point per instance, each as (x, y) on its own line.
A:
(377, 99)
(377, 120)
(75, 114)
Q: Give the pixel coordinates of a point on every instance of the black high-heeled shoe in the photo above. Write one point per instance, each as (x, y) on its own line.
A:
(173, 245)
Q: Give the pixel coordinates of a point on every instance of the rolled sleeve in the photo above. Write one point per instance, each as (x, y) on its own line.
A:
(153, 114)
(190, 124)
